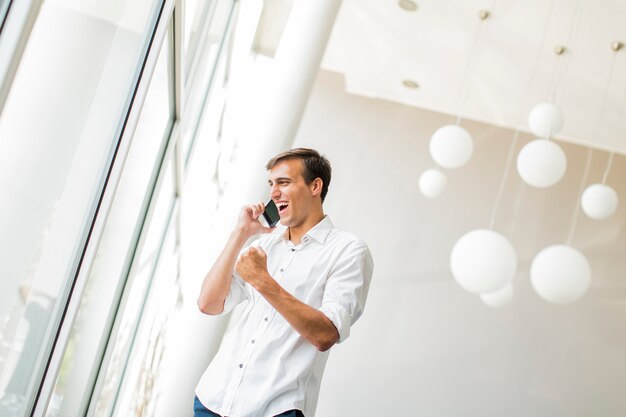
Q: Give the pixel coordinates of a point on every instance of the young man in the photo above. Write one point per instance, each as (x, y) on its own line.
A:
(302, 286)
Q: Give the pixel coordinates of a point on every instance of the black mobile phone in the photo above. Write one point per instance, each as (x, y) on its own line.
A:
(270, 214)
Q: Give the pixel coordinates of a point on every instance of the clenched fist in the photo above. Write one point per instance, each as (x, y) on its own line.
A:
(252, 266)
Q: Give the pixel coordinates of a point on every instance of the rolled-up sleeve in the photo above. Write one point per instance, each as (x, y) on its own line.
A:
(237, 293)
(347, 286)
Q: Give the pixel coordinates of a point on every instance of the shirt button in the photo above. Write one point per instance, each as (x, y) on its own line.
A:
(252, 341)
(266, 319)
(282, 269)
(241, 365)
(293, 250)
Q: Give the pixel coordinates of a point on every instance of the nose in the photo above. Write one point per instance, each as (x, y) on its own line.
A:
(274, 192)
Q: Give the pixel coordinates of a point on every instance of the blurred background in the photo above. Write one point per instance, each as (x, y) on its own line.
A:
(132, 132)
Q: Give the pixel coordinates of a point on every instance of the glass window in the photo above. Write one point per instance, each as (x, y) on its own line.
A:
(141, 376)
(107, 276)
(205, 71)
(138, 286)
(197, 13)
(211, 118)
(58, 133)
(4, 8)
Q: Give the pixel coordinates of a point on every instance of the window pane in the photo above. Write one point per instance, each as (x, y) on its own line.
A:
(108, 273)
(196, 14)
(141, 377)
(205, 69)
(58, 132)
(211, 119)
(141, 277)
(4, 7)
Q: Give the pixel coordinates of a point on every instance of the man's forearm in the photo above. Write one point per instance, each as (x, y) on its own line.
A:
(217, 281)
(312, 324)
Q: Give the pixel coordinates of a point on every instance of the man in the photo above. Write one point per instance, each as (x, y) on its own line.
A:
(302, 286)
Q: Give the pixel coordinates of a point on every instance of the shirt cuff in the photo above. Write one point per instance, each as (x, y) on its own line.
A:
(340, 318)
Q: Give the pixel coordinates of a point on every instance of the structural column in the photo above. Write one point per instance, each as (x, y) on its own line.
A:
(265, 125)
(283, 91)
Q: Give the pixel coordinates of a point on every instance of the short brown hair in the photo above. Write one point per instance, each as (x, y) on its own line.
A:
(315, 165)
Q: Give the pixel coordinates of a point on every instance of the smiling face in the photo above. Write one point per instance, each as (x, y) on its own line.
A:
(296, 200)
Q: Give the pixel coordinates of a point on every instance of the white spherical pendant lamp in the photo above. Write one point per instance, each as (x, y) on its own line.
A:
(545, 120)
(483, 261)
(560, 274)
(498, 298)
(541, 163)
(599, 201)
(451, 146)
(432, 183)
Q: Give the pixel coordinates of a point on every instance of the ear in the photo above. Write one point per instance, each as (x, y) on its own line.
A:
(316, 186)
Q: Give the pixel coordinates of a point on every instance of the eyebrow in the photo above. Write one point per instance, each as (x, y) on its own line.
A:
(280, 179)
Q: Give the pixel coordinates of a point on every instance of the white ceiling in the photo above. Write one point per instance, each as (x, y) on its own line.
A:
(376, 45)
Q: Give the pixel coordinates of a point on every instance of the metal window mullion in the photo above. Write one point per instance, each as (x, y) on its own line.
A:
(169, 154)
(166, 229)
(218, 58)
(203, 38)
(199, 48)
(4, 12)
(139, 236)
(179, 68)
(16, 30)
(136, 243)
(178, 59)
(101, 211)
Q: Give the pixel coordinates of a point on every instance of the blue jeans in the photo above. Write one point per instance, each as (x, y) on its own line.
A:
(199, 410)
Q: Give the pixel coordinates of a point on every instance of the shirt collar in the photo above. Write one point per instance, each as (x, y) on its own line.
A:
(319, 232)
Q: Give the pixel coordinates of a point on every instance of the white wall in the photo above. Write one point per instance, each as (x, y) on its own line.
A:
(424, 346)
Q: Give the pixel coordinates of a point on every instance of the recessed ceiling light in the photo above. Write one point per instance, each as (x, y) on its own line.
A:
(408, 5)
(410, 84)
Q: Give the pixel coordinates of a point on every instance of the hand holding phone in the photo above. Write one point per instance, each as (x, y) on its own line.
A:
(270, 214)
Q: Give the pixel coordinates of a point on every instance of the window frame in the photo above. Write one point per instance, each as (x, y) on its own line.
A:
(198, 113)
(71, 298)
(167, 24)
(15, 30)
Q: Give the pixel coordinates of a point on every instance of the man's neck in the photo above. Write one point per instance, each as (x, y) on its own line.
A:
(295, 233)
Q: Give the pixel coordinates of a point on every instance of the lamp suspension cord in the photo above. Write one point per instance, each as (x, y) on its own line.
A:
(507, 166)
(609, 163)
(572, 228)
(531, 80)
(587, 165)
(602, 110)
(608, 168)
(605, 96)
(465, 86)
(572, 30)
(505, 176)
(554, 80)
(573, 27)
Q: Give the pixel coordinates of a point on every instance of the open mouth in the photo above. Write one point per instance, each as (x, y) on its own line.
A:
(282, 206)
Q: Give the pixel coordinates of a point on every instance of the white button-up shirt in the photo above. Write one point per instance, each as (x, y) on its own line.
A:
(264, 367)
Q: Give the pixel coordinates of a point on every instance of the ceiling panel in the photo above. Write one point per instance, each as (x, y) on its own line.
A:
(494, 70)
